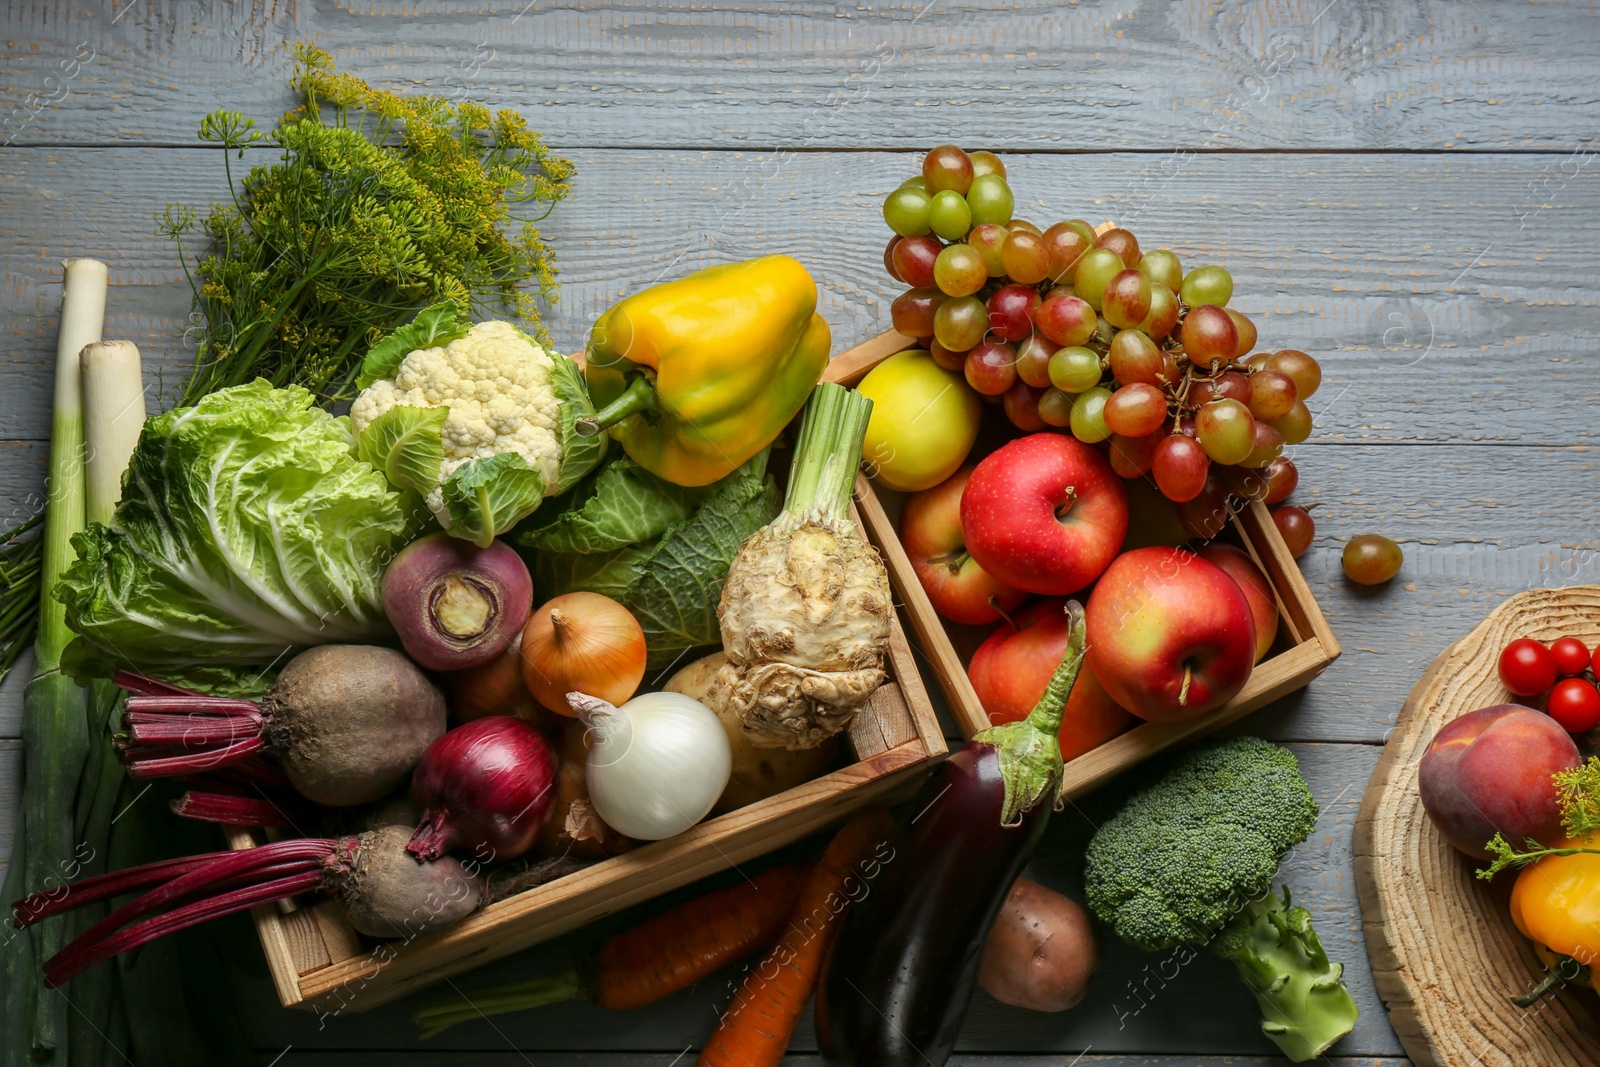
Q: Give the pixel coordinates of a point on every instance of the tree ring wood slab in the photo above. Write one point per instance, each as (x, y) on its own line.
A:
(1444, 952)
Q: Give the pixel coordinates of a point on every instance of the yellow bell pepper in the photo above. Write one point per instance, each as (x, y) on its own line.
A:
(1556, 905)
(695, 376)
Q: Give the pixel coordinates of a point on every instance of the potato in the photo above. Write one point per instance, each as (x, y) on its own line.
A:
(758, 773)
(1041, 950)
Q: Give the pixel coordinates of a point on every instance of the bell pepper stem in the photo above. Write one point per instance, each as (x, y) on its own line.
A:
(1565, 970)
(638, 398)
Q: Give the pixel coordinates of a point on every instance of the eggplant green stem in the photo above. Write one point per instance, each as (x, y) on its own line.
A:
(826, 456)
(639, 398)
(1030, 750)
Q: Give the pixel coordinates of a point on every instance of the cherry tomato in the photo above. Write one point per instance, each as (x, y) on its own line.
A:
(1527, 667)
(1570, 655)
(1575, 704)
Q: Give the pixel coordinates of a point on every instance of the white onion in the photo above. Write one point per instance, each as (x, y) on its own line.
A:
(656, 765)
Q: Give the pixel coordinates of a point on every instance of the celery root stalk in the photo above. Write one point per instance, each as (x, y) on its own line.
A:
(55, 739)
(806, 607)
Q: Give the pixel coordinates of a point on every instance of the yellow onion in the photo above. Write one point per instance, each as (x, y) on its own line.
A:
(584, 643)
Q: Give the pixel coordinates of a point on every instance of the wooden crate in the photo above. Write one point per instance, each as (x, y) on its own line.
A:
(318, 962)
(1311, 645)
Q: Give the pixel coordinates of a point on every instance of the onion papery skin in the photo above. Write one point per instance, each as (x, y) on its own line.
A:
(455, 605)
(485, 788)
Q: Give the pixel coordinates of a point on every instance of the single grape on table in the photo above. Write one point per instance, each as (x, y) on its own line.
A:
(1135, 351)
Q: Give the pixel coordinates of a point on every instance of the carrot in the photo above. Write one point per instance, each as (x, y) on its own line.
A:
(755, 1030)
(658, 957)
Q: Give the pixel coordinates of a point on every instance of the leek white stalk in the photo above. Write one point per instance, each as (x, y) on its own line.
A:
(113, 415)
(656, 765)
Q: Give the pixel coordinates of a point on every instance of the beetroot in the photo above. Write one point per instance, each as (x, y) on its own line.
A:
(347, 722)
(384, 890)
(486, 787)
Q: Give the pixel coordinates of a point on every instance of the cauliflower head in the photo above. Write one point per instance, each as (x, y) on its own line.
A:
(477, 418)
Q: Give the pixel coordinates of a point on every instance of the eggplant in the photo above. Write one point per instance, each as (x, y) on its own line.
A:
(897, 983)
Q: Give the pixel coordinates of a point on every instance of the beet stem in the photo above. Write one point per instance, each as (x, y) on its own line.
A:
(42, 905)
(191, 733)
(231, 810)
(144, 685)
(191, 762)
(432, 838)
(88, 949)
(194, 705)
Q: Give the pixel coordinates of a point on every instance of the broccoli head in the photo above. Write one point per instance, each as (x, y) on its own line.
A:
(1192, 859)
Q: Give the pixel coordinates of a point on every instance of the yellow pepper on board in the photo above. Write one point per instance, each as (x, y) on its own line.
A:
(695, 376)
(1556, 905)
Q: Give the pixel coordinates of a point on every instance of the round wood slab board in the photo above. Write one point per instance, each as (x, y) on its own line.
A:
(1445, 954)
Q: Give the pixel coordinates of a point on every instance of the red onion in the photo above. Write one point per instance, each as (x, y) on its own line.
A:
(484, 786)
(456, 605)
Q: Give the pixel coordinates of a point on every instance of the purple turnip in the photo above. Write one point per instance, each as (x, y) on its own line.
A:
(456, 605)
(385, 892)
(347, 722)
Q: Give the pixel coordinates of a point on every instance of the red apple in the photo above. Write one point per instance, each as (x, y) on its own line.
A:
(959, 589)
(1013, 666)
(1045, 513)
(1488, 772)
(1170, 634)
(1257, 590)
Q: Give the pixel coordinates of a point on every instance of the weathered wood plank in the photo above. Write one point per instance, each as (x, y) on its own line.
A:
(1430, 330)
(10, 792)
(1217, 1015)
(1164, 76)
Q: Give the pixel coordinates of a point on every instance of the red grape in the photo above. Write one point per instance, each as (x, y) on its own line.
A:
(1266, 445)
(1226, 430)
(1282, 477)
(1229, 385)
(991, 367)
(1022, 406)
(1033, 360)
(1306, 372)
(1371, 559)
(1208, 334)
(947, 167)
(1527, 668)
(1247, 334)
(1126, 300)
(960, 323)
(1055, 408)
(1094, 272)
(1295, 525)
(1023, 224)
(1011, 311)
(1065, 245)
(1025, 257)
(1571, 655)
(1295, 426)
(1163, 312)
(888, 258)
(1131, 456)
(914, 258)
(946, 358)
(986, 163)
(1066, 320)
(912, 311)
(1123, 243)
(1206, 513)
(1272, 394)
(1136, 410)
(987, 238)
(1135, 358)
(1180, 467)
(1575, 704)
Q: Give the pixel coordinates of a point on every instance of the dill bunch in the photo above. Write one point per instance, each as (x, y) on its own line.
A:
(378, 205)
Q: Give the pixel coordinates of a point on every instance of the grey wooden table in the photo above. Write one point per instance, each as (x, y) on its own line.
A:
(1406, 190)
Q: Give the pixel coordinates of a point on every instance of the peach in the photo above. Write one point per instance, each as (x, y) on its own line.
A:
(1489, 772)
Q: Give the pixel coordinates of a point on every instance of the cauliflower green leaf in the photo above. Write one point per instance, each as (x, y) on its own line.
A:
(405, 444)
(484, 497)
(622, 504)
(434, 327)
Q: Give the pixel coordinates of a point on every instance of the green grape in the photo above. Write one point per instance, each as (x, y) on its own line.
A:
(1089, 416)
(959, 323)
(919, 182)
(1094, 272)
(1295, 426)
(1163, 310)
(1161, 266)
(959, 271)
(990, 199)
(1207, 285)
(1074, 369)
(988, 238)
(1226, 431)
(949, 216)
(986, 163)
(1055, 408)
(906, 212)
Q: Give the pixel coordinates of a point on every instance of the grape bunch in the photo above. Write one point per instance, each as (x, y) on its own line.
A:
(1083, 331)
